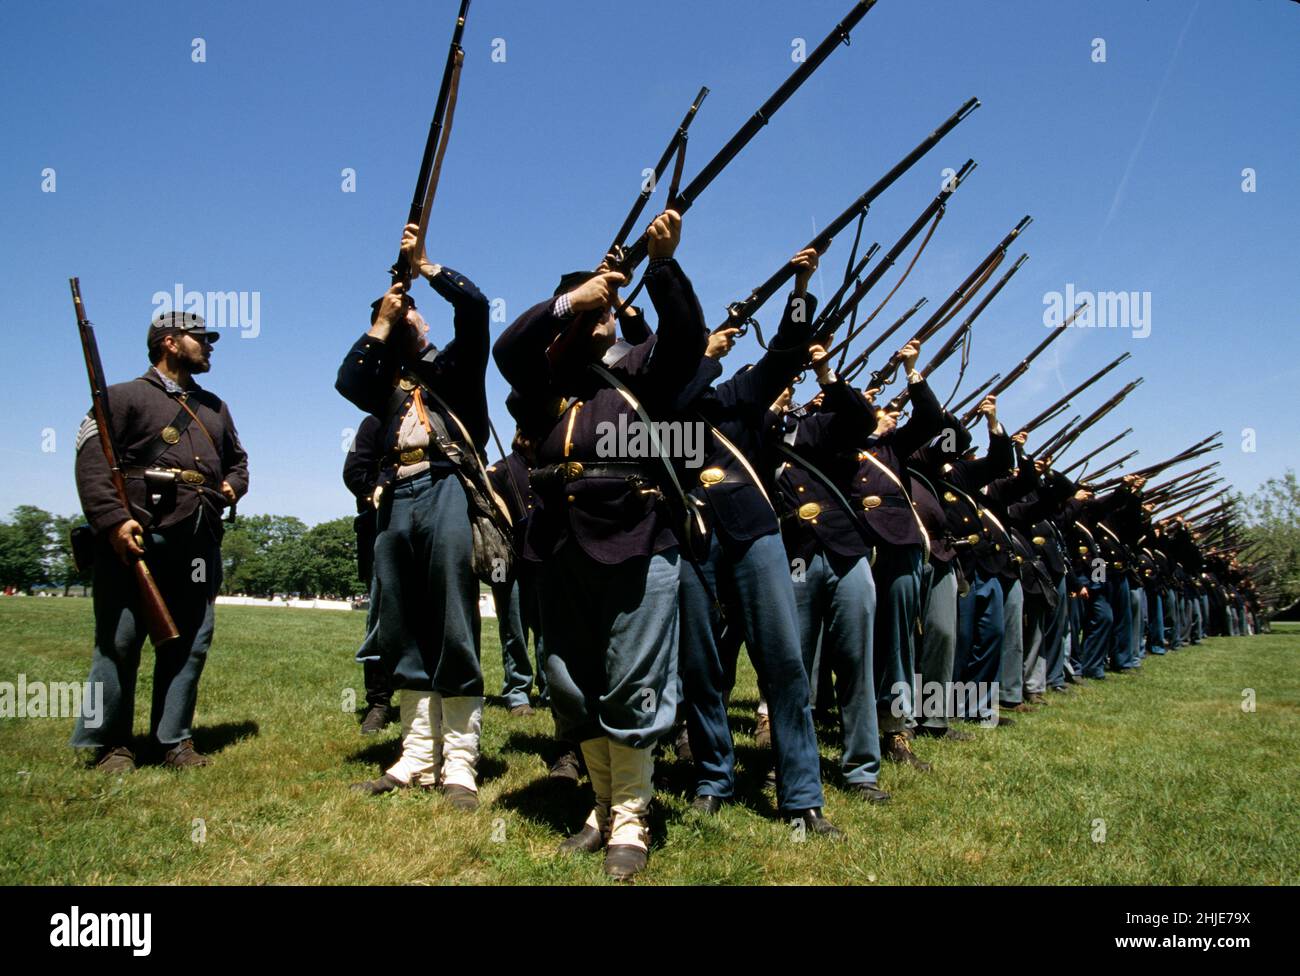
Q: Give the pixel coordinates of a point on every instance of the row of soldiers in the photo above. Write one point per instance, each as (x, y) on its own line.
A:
(861, 562)
(883, 572)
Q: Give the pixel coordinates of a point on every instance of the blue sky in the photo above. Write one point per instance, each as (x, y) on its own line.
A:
(226, 176)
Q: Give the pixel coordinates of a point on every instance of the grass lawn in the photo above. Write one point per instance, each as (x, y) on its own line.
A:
(1192, 789)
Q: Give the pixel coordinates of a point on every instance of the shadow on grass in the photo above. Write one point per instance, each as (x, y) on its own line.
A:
(215, 738)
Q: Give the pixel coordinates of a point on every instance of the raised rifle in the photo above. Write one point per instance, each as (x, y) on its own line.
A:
(1117, 463)
(676, 148)
(1023, 366)
(1095, 416)
(631, 257)
(1056, 407)
(947, 311)
(1092, 454)
(158, 620)
(435, 146)
(933, 213)
(741, 313)
(959, 337)
(974, 396)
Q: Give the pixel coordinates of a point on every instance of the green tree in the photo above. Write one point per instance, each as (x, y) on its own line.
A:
(62, 568)
(24, 547)
(333, 548)
(1273, 537)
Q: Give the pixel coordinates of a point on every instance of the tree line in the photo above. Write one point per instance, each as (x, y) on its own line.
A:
(266, 555)
(262, 555)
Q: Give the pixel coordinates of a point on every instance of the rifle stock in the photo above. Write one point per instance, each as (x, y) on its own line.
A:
(158, 620)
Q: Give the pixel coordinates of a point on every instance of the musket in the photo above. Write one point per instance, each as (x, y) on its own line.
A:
(1092, 454)
(1172, 482)
(971, 397)
(1196, 450)
(1095, 416)
(1023, 366)
(826, 324)
(739, 313)
(158, 620)
(676, 147)
(1050, 444)
(631, 257)
(1056, 407)
(958, 337)
(1118, 462)
(435, 145)
(945, 312)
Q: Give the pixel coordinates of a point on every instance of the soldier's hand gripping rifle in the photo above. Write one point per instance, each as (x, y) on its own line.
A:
(158, 620)
(435, 147)
(741, 313)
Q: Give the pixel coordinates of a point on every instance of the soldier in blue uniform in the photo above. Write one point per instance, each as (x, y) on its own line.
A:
(361, 469)
(183, 465)
(605, 533)
(745, 559)
(431, 405)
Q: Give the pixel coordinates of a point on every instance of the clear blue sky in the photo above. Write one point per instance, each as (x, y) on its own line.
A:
(225, 176)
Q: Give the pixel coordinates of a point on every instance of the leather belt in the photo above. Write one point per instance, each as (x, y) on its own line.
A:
(554, 476)
(185, 476)
(870, 502)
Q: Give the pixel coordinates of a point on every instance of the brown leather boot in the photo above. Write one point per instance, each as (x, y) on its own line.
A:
(183, 755)
(115, 759)
(898, 749)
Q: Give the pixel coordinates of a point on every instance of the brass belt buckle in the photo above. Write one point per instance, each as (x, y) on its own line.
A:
(412, 455)
(192, 477)
(973, 539)
(711, 476)
(872, 501)
(572, 470)
(809, 511)
(1040, 540)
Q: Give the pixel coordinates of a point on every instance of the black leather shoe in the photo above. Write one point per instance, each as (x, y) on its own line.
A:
(706, 804)
(588, 840)
(376, 719)
(624, 861)
(869, 792)
(944, 733)
(377, 787)
(814, 823)
(566, 768)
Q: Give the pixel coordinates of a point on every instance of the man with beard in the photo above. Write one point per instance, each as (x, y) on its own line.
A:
(183, 464)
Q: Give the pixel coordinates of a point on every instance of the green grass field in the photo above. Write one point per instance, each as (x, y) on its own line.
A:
(1192, 789)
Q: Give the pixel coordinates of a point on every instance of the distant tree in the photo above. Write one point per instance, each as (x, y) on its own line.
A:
(1273, 536)
(61, 567)
(333, 548)
(263, 555)
(24, 547)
